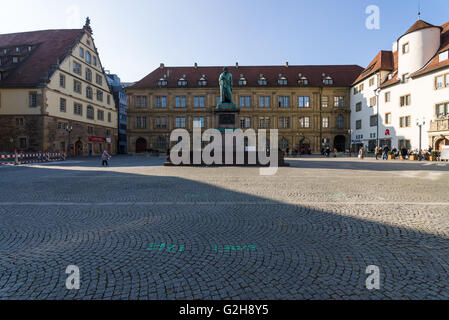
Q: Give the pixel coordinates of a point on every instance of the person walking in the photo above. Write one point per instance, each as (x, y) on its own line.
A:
(376, 152)
(385, 154)
(105, 158)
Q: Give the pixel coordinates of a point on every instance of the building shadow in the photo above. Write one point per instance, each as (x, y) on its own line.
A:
(141, 236)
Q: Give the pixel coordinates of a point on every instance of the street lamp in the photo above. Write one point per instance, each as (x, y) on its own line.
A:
(69, 130)
(420, 122)
(350, 131)
(377, 93)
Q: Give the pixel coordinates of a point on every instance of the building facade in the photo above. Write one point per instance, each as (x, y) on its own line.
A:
(54, 95)
(309, 105)
(120, 99)
(402, 97)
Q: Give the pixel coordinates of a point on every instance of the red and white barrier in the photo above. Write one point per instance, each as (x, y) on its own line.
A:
(35, 157)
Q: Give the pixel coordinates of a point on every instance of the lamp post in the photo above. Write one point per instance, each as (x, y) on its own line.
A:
(350, 131)
(420, 122)
(69, 130)
(377, 93)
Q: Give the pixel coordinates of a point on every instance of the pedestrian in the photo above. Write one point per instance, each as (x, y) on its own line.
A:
(376, 152)
(335, 152)
(105, 158)
(385, 154)
(362, 153)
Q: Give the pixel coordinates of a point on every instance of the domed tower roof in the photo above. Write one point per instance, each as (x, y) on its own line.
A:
(419, 25)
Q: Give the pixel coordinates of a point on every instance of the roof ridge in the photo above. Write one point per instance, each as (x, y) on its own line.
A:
(36, 31)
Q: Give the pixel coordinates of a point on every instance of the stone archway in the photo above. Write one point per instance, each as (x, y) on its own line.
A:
(78, 148)
(141, 145)
(440, 143)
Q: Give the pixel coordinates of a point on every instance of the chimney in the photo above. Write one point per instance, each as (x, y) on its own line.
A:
(286, 64)
(162, 66)
(237, 65)
(195, 65)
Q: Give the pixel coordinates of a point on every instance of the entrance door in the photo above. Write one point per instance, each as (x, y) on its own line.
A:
(340, 143)
(78, 148)
(440, 144)
(141, 145)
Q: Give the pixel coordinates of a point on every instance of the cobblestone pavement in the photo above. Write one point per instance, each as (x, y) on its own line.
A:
(138, 230)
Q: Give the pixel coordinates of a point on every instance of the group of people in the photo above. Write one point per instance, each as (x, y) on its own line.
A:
(405, 153)
(327, 152)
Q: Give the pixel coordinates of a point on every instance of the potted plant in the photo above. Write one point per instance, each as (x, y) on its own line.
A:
(391, 155)
(413, 156)
(433, 156)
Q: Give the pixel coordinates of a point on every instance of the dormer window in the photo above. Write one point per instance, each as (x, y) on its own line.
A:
(242, 81)
(15, 59)
(162, 82)
(182, 82)
(30, 48)
(202, 82)
(17, 49)
(282, 80)
(328, 81)
(5, 51)
(262, 80)
(443, 56)
(303, 81)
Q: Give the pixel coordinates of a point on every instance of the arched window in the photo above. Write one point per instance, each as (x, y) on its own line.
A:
(202, 82)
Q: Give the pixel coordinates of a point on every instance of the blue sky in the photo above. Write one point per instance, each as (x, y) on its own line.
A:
(135, 36)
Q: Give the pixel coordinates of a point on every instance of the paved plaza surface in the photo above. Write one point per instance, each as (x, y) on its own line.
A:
(139, 230)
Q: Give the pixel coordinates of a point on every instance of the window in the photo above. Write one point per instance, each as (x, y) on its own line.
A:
(78, 109)
(90, 112)
(304, 122)
(405, 48)
(15, 60)
(62, 104)
(264, 123)
(62, 80)
(162, 82)
(182, 82)
(108, 99)
(245, 102)
(242, 82)
(245, 123)
(89, 93)
(88, 75)
(358, 124)
(180, 102)
(284, 101)
(199, 102)
(81, 52)
(100, 115)
(405, 100)
(77, 86)
(90, 130)
(76, 68)
(339, 102)
(373, 121)
(284, 122)
(161, 102)
(303, 81)
(109, 117)
(303, 102)
(141, 122)
(161, 123)
(262, 81)
(442, 110)
(88, 57)
(33, 99)
(325, 122)
(20, 122)
(23, 143)
(325, 101)
(405, 122)
(264, 102)
(141, 101)
(282, 81)
(372, 101)
(387, 96)
(443, 56)
(180, 122)
(371, 82)
(447, 80)
(358, 107)
(99, 95)
(405, 143)
(328, 81)
(442, 81)
(62, 125)
(98, 79)
(405, 77)
(199, 120)
(388, 118)
(340, 121)
(202, 82)
(94, 60)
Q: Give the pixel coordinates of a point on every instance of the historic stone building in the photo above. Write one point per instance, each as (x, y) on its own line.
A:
(309, 105)
(52, 88)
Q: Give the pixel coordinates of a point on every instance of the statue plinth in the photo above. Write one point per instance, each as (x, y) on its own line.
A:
(226, 116)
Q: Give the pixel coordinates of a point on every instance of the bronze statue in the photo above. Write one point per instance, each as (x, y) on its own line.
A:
(225, 82)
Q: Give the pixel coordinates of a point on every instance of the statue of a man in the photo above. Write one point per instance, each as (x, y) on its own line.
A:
(225, 81)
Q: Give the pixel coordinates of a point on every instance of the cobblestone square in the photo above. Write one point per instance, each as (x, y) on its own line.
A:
(139, 230)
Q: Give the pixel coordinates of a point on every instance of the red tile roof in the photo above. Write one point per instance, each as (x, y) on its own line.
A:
(434, 64)
(384, 60)
(342, 75)
(51, 46)
(419, 25)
